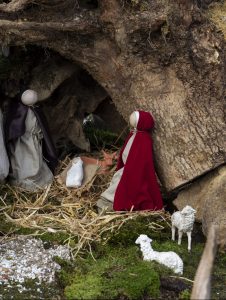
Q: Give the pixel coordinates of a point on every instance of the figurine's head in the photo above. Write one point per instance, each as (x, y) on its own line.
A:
(29, 97)
(188, 210)
(141, 120)
(143, 239)
(133, 119)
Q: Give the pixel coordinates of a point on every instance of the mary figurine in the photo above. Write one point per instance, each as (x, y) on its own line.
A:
(134, 186)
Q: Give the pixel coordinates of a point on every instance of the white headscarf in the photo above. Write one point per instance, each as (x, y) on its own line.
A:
(137, 117)
(134, 118)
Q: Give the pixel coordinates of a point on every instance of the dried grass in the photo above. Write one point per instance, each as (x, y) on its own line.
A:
(60, 209)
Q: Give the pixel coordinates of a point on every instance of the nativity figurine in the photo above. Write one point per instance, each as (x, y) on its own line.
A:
(134, 186)
(184, 221)
(31, 151)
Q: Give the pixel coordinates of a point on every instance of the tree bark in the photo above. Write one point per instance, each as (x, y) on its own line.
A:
(14, 5)
(146, 57)
(202, 285)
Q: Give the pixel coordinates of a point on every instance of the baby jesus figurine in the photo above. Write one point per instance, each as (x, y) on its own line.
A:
(134, 186)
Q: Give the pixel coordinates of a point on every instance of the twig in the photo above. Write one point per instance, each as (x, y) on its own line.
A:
(184, 278)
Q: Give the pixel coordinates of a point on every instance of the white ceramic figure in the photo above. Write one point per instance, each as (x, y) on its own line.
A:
(183, 221)
(75, 173)
(169, 259)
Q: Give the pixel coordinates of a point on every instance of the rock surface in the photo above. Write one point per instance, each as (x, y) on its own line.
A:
(162, 56)
(207, 196)
(26, 258)
(65, 110)
(49, 75)
(165, 57)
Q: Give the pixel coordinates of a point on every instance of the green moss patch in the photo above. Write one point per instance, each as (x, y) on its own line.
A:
(120, 272)
(219, 277)
(128, 233)
(30, 289)
(100, 138)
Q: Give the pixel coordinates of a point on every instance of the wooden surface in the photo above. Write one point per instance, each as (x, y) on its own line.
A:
(144, 60)
(202, 285)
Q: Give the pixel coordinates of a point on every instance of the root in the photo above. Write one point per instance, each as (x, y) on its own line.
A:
(14, 5)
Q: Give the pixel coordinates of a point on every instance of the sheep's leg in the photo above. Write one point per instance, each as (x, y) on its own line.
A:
(189, 240)
(173, 232)
(180, 233)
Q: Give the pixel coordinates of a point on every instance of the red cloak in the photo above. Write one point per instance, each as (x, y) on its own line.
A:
(138, 186)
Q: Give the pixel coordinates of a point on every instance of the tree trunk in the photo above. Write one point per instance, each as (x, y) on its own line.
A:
(202, 286)
(160, 56)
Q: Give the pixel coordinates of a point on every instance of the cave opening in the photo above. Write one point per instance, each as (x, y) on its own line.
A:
(88, 4)
(81, 115)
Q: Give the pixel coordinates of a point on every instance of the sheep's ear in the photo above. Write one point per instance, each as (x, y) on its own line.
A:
(184, 210)
(147, 239)
(137, 241)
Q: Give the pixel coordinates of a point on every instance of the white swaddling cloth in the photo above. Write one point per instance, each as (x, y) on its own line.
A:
(75, 173)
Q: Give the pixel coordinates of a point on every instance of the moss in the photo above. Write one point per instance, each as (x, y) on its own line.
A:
(119, 273)
(129, 232)
(116, 257)
(30, 289)
(218, 290)
(85, 287)
(101, 138)
(67, 268)
(5, 226)
(59, 237)
(117, 269)
(185, 295)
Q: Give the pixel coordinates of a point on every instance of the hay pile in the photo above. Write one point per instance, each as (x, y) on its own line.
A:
(60, 209)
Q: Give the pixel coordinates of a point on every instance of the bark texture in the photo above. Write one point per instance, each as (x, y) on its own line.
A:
(207, 196)
(161, 56)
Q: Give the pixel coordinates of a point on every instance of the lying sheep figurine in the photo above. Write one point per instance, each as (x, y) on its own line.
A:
(184, 221)
(169, 259)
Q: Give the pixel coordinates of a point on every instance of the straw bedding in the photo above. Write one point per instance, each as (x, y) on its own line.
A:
(59, 209)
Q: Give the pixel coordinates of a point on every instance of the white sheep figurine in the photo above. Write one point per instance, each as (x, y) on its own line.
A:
(169, 259)
(183, 220)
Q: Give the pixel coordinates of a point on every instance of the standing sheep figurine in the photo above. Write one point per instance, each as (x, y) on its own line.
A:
(169, 259)
(184, 221)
